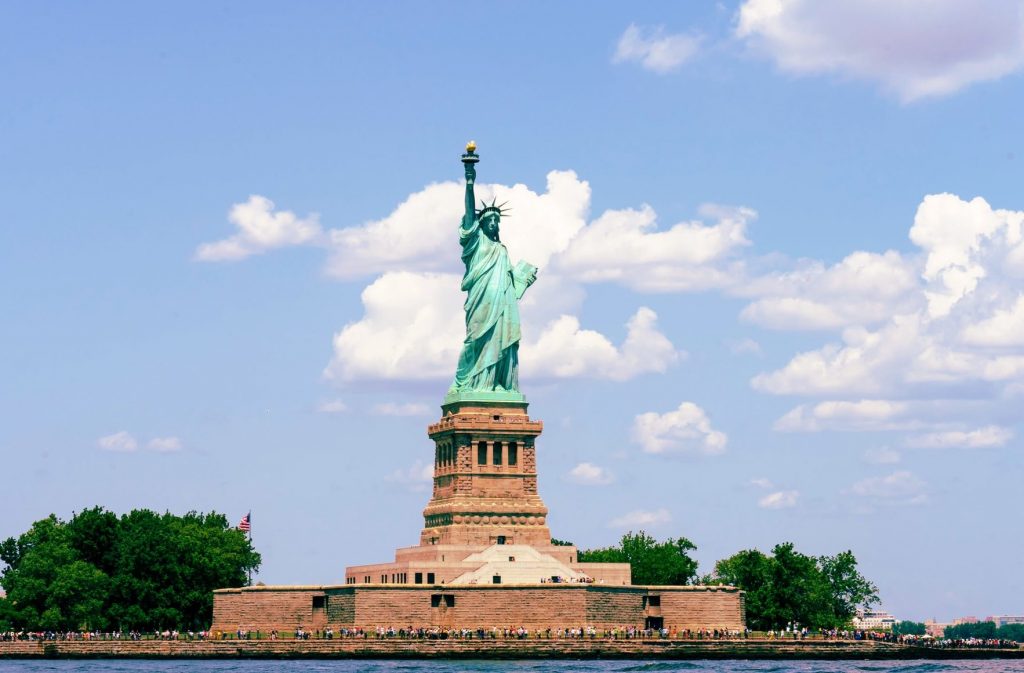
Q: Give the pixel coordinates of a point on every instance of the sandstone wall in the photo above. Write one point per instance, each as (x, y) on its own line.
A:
(702, 608)
(267, 608)
(609, 607)
(484, 606)
(341, 608)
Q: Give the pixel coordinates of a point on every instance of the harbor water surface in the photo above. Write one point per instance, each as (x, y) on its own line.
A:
(554, 666)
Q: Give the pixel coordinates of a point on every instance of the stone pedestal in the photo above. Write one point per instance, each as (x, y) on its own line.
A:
(485, 477)
(485, 522)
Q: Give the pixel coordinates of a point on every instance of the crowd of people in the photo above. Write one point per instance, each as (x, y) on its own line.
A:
(942, 643)
(515, 633)
(511, 633)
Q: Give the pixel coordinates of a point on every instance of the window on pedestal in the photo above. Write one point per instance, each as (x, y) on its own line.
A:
(430, 578)
(418, 577)
(481, 453)
(513, 453)
(497, 453)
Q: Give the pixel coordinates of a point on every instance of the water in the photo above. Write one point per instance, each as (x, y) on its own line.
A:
(554, 666)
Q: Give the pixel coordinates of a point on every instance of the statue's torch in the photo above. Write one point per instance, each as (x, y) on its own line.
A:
(470, 157)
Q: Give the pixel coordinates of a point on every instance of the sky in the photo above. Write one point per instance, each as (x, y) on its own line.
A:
(780, 297)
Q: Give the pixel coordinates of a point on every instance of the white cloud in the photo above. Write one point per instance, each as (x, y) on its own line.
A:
(412, 329)
(335, 406)
(958, 344)
(841, 415)
(401, 409)
(863, 288)
(882, 456)
(1004, 328)
(639, 517)
(909, 356)
(589, 474)
(260, 228)
(761, 482)
(418, 477)
(987, 437)
(865, 364)
(654, 49)
(119, 441)
(164, 444)
(779, 500)
(913, 49)
(684, 429)
(564, 350)
(898, 488)
(965, 241)
(623, 246)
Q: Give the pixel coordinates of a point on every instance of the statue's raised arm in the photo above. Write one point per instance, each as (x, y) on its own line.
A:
(489, 362)
(469, 160)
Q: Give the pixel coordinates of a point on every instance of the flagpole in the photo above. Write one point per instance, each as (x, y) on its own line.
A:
(249, 515)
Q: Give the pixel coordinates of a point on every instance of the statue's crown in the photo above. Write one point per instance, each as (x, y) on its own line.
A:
(500, 210)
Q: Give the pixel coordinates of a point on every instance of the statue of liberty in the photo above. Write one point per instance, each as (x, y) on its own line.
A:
(489, 362)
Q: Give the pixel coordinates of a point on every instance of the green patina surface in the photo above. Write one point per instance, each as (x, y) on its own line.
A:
(488, 368)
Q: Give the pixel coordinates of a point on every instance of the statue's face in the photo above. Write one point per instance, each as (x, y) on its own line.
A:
(490, 225)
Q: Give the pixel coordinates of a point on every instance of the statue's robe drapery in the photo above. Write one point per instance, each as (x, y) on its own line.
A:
(490, 353)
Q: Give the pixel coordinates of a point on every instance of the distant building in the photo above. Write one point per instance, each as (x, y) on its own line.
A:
(1003, 620)
(934, 628)
(965, 620)
(874, 620)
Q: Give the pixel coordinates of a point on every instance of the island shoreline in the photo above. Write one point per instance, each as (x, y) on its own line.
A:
(492, 649)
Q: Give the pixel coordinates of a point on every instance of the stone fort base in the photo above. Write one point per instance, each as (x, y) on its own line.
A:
(542, 606)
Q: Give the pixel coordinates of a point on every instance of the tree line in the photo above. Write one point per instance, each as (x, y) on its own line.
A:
(141, 571)
(986, 630)
(783, 588)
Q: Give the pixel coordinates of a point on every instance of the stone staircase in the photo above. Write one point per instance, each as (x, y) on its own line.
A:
(515, 564)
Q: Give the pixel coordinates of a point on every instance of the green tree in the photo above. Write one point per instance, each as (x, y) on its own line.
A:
(791, 588)
(906, 628)
(973, 630)
(143, 570)
(847, 589)
(1011, 632)
(652, 562)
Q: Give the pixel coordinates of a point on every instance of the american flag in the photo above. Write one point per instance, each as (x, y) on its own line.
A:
(246, 523)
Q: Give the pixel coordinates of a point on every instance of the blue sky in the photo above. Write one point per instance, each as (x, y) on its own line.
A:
(779, 297)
